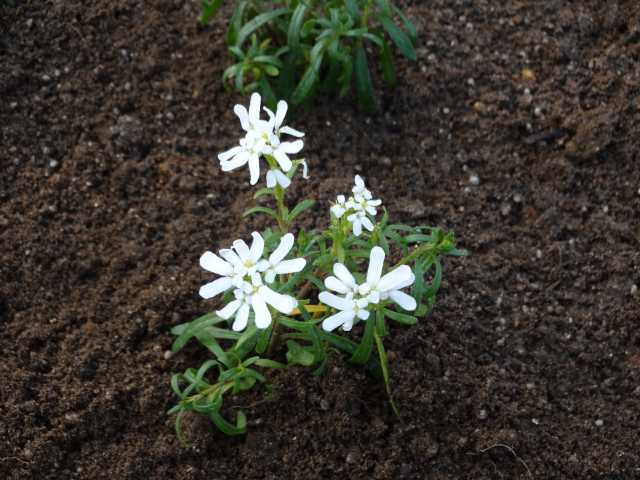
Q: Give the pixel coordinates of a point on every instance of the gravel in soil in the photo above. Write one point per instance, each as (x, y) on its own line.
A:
(517, 128)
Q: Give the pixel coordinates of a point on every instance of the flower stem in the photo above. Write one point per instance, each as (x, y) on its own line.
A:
(283, 212)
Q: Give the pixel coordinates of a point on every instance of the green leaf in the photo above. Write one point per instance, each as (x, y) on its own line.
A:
(384, 364)
(301, 207)
(266, 363)
(297, 354)
(236, 22)
(398, 37)
(352, 8)
(364, 86)
(363, 352)
(186, 331)
(209, 9)
(401, 317)
(388, 69)
(262, 192)
(263, 339)
(227, 428)
(179, 432)
(295, 26)
(311, 75)
(267, 211)
(256, 22)
(408, 25)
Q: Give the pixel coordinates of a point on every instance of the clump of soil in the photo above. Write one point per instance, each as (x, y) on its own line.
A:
(518, 128)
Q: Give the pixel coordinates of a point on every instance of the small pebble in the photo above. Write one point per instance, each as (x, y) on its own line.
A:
(474, 180)
(53, 163)
(167, 354)
(634, 289)
(535, 421)
(539, 254)
(446, 111)
(599, 423)
(483, 414)
(605, 209)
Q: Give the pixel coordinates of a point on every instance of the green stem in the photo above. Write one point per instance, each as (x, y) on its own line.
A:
(273, 341)
(283, 212)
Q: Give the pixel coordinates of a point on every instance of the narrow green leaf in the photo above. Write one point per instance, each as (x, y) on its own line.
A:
(209, 9)
(266, 363)
(384, 365)
(297, 354)
(408, 25)
(295, 26)
(179, 431)
(301, 207)
(236, 22)
(352, 8)
(363, 352)
(398, 37)
(186, 331)
(263, 340)
(267, 211)
(364, 85)
(256, 22)
(311, 75)
(262, 192)
(227, 428)
(388, 69)
(401, 317)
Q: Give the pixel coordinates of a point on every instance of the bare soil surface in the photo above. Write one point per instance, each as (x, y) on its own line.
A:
(518, 128)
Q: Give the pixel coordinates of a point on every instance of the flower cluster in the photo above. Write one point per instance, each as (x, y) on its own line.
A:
(357, 298)
(359, 208)
(262, 139)
(242, 268)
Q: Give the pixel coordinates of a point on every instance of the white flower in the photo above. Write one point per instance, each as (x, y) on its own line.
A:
(378, 287)
(359, 190)
(276, 265)
(241, 267)
(262, 138)
(357, 298)
(256, 296)
(358, 220)
(349, 310)
(276, 177)
(339, 208)
(360, 208)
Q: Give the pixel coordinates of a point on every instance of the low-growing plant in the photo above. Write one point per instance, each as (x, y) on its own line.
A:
(291, 293)
(292, 49)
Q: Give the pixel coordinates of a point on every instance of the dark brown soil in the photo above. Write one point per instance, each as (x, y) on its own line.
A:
(111, 114)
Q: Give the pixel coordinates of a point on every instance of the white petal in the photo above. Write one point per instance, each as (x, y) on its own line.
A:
(238, 161)
(224, 156)
(256, 279)
(371, 211)
(357, 227)
(230, 256)
(332, 283)
(216, 287)
(243, 115)
(283, 303)
(254, 108)
(367, 223)
(407, 282)
(228, 311)
(281, 112)
(254, 169)
(337, 211)
(269, 276)
(375, 203)
(340, 271)
(290, 266)
(263, 316)
(336, 302)
(305, 169)
(282, 159)
(271, 178)
(292, 147)
(334, 321)
(374, 297)
(363, 314)
(282, 179)
(213, 263)
(272, 117)
(407, 302)
(242, 249)
(292, 131)
(286, 243)
(396, 277)
(376, 262)
(257, 247)
(359, 182)
(242, 317)
(263, 265)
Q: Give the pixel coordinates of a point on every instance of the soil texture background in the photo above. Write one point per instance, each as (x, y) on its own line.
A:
(518, 128)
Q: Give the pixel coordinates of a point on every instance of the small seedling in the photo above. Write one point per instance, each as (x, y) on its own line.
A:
(293, 49)
(294, 292)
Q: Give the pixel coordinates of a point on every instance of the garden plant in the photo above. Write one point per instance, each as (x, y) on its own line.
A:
(293, 49)
(296, 292)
